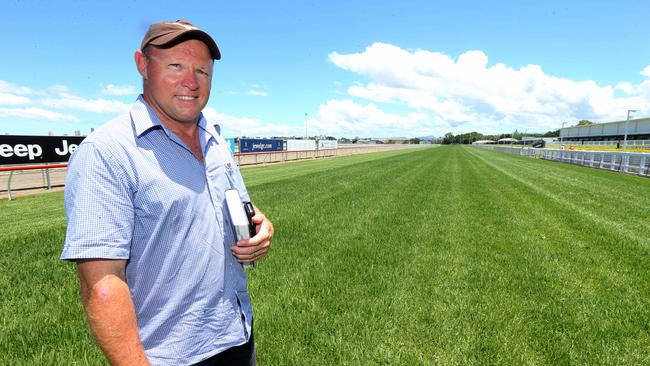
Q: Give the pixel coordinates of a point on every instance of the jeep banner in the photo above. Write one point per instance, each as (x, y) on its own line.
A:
(37, 149)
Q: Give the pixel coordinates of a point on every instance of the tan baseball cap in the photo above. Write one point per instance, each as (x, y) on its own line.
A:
(167, 34)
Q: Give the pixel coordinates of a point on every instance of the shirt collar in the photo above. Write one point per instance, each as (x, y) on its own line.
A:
(145, 119)
(209, 127)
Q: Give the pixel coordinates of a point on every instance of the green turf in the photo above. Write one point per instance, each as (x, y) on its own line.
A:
(41, 318)
(452, 256)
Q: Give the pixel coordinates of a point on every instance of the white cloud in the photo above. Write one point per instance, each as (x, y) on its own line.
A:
(336, 117)
(60, 90)
(103, 106)
(117, 90)
(232, 126)
(60, 97)
(646, 71)
(11, 99)
(7, 87)
(346, 118)
(258, 90)
(36, 113)
(470, 94)
(258, 93)
(53, 103)
(626, 87)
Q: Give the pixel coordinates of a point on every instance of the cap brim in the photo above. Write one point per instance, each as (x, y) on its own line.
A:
(173, 38)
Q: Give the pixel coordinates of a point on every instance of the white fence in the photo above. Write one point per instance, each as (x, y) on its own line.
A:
(608, 144)
(633, 163)
(35, 178)
(630, 143)
(342, 150)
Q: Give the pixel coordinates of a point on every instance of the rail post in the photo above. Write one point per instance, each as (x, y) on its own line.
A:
(11, 174)
(49, 181)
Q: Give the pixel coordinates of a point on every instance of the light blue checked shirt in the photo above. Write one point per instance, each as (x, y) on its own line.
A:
(134, 191)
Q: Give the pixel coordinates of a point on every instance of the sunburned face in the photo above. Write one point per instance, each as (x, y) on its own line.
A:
(177, 81)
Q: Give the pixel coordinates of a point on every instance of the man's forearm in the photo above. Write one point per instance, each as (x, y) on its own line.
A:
(111, 316)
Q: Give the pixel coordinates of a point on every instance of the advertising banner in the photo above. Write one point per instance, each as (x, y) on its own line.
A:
(327, 144)
(18, 149)
(260, 145)
(295, 145)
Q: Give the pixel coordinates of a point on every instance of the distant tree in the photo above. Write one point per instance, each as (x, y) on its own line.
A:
(555, 133)
(448, 138)
(475, 136)
(414, 141)
(584, 122)
(465, 138)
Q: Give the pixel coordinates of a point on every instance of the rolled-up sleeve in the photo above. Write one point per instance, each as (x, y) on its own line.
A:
(98, 205)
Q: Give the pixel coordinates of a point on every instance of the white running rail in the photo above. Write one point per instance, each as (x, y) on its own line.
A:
(626, 162)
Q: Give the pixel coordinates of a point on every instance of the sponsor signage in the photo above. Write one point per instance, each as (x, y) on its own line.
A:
(327, 144)
(231, 144)
(259, 145)
(293, 145)
(37, 149)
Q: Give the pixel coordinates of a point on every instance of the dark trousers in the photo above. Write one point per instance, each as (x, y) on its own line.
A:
(243, 355)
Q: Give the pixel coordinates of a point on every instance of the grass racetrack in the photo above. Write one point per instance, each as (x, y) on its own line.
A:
(449, 255)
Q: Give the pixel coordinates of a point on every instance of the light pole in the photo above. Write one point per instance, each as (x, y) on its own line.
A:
(626, 123)
(561, 144)
(306, 114)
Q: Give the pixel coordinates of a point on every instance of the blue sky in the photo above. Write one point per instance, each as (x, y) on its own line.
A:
(346, 68)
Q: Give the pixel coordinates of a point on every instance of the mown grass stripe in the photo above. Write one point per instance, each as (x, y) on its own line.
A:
(598, 220)
(575, 179)
(561, 262)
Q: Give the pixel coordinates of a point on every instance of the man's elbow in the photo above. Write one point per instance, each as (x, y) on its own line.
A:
(107, 292)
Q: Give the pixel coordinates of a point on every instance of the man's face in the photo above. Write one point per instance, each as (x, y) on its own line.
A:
(177, 81)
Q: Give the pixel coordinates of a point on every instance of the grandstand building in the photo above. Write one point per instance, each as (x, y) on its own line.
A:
(637, 129)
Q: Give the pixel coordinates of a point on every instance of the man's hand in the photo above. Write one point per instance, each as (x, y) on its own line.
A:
(110, 310)
(250, 250)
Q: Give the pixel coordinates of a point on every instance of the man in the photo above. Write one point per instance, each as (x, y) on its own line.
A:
(161, 277)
